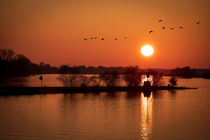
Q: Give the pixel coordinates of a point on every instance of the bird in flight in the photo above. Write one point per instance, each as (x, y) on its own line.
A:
(102, 38)
(172, 28)
(164, 27)
(198, 22)
(115, 39)
(85, 38)
(91, 38)
(125, 37)
(95, 37)
(151, 31)
(181, 27)
(160, 20)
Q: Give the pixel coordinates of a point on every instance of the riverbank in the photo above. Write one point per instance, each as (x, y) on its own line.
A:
(47, 90)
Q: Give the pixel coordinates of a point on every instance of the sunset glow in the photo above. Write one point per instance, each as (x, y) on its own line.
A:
(104, 69)
(147, 50)
(63, 32)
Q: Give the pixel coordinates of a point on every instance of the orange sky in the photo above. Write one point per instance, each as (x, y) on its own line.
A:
(53, 31)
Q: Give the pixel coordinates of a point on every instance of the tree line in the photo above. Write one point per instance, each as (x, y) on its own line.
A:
(18, 65)
(132, 76)
(13, 64)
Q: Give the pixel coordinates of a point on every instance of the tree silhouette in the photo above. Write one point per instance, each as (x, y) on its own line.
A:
(95, 81)
(68, 80)
(183, 72)
(72, 78)
(110, 77)
(173, 81)
(12, 64)
(84, 81)
(7, 55)
(132, 76)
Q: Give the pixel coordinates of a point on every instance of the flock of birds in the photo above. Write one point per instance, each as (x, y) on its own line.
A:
(94, 38)
(171, 28)
(150, 31)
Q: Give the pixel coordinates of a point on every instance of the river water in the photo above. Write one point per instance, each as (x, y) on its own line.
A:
(165, 115)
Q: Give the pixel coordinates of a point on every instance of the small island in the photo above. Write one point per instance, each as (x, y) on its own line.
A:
(85, 79)
(104, 82)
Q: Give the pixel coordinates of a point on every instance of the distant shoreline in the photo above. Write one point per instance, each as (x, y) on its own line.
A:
(5, 91)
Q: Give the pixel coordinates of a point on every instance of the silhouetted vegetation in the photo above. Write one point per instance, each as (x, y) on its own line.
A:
(64, 69)
(95, 81)
(206, 75)
(173, 81)
(157, 78)
(111, 78)
(71, 77)
(12, 64)
(186, 72)
(132, 76)
(18, 65)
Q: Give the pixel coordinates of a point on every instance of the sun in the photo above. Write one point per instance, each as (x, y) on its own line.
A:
(147, 50)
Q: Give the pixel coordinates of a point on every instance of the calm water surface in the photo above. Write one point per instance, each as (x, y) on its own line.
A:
(165, 115)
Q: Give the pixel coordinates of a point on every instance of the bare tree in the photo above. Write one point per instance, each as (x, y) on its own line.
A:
(111, 78)
(67, 79)
(132, 76)
(84, 81)
(95, 81)
(73, 78)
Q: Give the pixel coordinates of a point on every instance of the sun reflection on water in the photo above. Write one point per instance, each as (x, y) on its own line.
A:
(146, 116)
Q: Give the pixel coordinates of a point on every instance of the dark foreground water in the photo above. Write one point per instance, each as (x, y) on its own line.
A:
(165, 115)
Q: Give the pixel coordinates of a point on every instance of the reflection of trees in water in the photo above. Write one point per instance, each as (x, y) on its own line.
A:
(146, 113)
(73, 100)
(161, 93)
(125, 108)
(70, 100)
(133, 94)
(157, 94)
(115, 106)
(172, 93)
